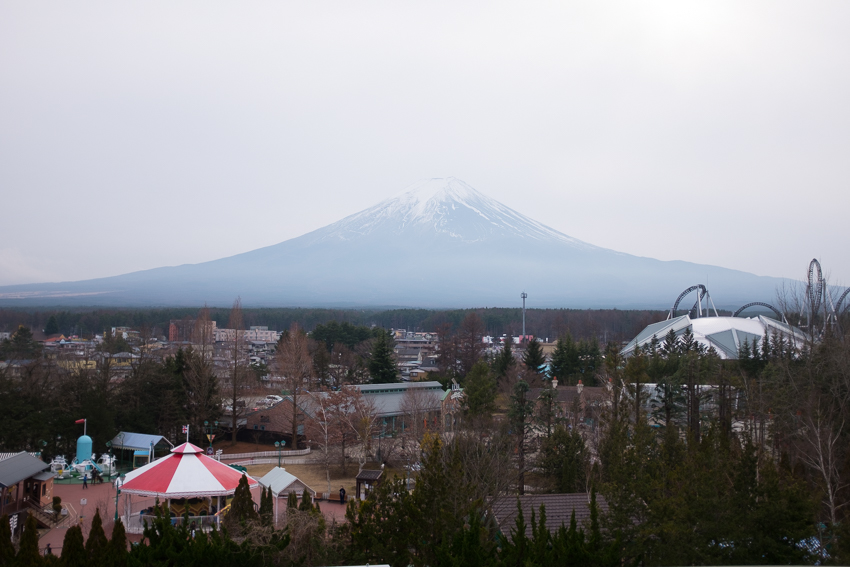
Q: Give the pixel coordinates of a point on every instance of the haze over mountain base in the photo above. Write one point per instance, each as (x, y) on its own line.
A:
(440, 243)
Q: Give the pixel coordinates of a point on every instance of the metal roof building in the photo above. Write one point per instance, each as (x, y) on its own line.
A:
(137, 441)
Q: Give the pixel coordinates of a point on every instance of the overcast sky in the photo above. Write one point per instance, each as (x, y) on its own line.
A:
(143, 134)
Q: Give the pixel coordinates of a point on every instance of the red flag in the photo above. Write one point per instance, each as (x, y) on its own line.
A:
(80, 421)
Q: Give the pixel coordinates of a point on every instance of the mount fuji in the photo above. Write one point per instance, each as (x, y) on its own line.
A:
(440, 243)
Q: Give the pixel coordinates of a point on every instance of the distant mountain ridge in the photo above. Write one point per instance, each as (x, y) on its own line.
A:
(439, 243)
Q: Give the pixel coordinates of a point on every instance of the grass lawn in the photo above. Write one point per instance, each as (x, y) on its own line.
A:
(314, 476)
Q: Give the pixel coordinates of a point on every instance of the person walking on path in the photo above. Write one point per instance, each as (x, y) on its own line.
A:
(48, 551)
(342, 495)
(85, 481)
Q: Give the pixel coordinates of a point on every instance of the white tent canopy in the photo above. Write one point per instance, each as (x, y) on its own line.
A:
(282, 482)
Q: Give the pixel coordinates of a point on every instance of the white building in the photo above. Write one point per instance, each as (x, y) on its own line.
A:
(725, 334)
(254, 334)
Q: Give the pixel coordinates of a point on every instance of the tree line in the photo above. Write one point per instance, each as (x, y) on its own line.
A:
(603, 324)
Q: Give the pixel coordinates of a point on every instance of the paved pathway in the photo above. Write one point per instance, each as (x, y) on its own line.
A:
(102, 496)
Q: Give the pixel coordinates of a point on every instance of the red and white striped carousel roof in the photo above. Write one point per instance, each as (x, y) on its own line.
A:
(186, 473)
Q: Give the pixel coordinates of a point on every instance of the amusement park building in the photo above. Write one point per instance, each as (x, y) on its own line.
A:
(725, 334)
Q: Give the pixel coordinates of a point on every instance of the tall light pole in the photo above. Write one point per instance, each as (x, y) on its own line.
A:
(209, 430)
(118, 482)
(279, 445)
(523, 295)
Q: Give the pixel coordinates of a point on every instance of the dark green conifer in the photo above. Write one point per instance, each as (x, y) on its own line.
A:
(28, 554)
(73, 548)
(479, 392)
(242, 506)
(382, 366)
(117, 550)
(505, 359)
(97, 542)
(306, 502)
(266, 506)
(7, 550)
(565, 361)
(52, 327)
(533, 358)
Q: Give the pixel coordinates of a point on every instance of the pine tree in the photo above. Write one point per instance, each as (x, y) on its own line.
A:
(73, 548)
(97, 542)
(242, 506)
(505, 359)
(479, 392)
(52, 327)
(20, 346)
(520, 412)
(382, 366)
(28, 554)
(533, 358)
(515, 547)
(469, 547)
(117, 550)
(564, 460)
(547, 409)
(306, 502)
(7, 550)
(292, 501)
(266, 506)
(565, 361)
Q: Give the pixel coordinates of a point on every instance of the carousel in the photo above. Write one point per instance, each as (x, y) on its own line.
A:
(187, 481)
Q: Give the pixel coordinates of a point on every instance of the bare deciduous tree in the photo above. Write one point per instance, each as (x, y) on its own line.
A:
(240, 376)
(296, 370)
(360, 414)
(325, 425)
(417, 406)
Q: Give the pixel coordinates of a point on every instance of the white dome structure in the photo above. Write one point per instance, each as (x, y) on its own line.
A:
(725, 334)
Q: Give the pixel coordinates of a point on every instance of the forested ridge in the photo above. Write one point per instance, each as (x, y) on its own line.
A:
(606, 324)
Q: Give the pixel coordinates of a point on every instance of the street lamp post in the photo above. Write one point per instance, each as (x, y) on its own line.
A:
(118, 483)
(111, 458)
(279, 445)
(209, 429)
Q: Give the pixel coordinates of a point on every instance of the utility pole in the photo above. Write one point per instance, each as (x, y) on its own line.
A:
(523, 295)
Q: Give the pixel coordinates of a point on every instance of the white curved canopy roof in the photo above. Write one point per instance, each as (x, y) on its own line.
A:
(725, 334)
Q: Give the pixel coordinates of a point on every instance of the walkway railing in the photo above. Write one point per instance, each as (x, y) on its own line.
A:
(262, 454)
(136, 522)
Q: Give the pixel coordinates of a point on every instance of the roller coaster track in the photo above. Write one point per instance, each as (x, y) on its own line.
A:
(814, 290)
(818, 297)
(779, 314)
(702, 293)
(840, 299)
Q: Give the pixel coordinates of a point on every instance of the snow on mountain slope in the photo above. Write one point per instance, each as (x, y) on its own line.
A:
(445, 207)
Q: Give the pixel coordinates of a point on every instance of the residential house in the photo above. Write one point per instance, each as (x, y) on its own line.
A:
(25, 482)
(559, 510)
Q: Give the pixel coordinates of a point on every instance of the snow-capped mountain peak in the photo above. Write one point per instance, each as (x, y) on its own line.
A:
(446, 207)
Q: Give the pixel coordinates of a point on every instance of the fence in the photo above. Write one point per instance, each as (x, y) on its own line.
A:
(140, 512)
(262, 454)
(283, 461)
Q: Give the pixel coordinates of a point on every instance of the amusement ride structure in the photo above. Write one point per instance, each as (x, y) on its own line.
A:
(727, 335)
(818, 302)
